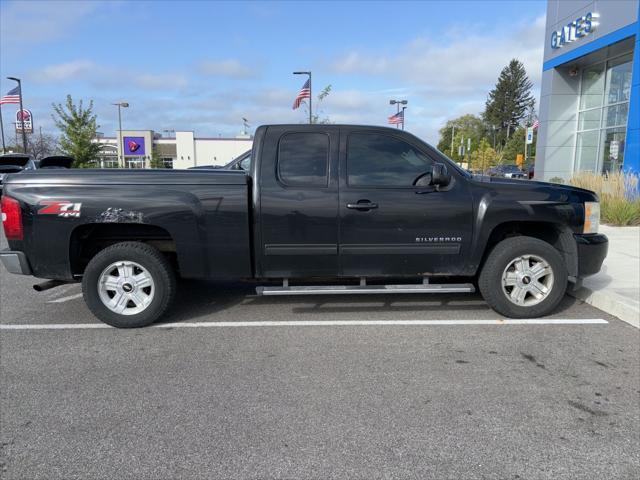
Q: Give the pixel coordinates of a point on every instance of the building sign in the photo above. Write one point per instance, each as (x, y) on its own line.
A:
(24, 117)
(580, 27)
(614, 149)
(133, 146)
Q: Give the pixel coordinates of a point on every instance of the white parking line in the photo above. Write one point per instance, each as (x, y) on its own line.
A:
(66, 299)
(320, 323)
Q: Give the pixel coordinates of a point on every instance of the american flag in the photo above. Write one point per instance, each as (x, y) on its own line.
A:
(12, 96)
(397, 118)
(305, 92)
(536, 124)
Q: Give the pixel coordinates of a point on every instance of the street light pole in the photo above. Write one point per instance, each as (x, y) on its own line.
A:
(397, 103)
(120, 144)
(24, 133)
(310, 94)
(403, 109)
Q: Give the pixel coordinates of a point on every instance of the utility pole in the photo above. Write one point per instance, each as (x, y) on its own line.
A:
(24, 133)
(453, 132)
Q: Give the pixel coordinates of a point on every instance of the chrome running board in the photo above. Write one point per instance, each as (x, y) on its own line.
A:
(366, 289)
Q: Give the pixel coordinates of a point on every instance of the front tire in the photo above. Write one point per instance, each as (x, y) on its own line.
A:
(523, 277)
(129, 285)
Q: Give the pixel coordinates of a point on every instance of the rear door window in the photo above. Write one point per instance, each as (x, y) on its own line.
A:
(303, 159)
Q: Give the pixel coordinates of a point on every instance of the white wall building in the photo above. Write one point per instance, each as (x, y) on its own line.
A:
(185, 150)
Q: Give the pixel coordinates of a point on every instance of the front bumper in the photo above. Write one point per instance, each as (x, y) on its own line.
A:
(592, 250)
(15, 262)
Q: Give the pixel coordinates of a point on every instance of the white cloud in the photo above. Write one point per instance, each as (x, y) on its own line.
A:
(34, 22)
(101, 76)
(166, 81)
(225, 68)
(65, 71)
(448, 76)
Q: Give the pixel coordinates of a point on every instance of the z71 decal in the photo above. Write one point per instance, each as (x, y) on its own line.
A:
(60, 208)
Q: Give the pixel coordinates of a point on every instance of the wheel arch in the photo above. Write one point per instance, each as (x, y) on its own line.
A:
(558, 236)
(89, 239)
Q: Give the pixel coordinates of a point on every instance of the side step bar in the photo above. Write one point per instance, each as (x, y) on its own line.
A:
(354, 289)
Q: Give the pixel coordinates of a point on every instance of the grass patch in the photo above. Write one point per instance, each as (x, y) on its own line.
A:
(619, 196)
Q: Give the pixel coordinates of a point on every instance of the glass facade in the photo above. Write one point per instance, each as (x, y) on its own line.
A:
(603, 112)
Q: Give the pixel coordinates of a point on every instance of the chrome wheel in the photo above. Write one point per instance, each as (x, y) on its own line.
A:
(126, 288)
(527, 280)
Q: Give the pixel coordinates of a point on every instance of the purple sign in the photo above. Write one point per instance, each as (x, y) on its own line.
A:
(133, 145)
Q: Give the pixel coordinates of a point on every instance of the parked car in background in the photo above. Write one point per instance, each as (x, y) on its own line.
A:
(14, 163)
(56, 161)
(506, 171)
(242, 162)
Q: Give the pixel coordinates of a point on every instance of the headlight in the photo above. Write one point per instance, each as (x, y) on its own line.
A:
(591, 217)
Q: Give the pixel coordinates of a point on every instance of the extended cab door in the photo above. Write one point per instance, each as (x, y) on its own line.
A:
(298, 209)
(387, 225)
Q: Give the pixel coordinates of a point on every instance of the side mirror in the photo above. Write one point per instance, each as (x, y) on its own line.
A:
(439, 175)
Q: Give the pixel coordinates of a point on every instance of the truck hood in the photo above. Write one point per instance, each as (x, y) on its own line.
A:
(535, 187)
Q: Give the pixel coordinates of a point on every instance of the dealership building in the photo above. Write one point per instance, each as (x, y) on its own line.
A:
(183, 150)
(590, 93)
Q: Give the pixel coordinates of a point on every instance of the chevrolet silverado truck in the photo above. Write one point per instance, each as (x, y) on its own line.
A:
(322, 209)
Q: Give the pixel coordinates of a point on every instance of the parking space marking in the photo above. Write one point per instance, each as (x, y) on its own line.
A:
(321, 323)
(66, 299)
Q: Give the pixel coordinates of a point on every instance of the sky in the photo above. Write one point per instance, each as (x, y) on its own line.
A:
(203, 65)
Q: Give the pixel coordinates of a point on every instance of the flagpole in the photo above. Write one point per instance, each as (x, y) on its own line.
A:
(4, 149)
(24, 133)
(310, 97)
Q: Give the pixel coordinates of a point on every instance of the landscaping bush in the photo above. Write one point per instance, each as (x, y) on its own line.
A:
(619, 196)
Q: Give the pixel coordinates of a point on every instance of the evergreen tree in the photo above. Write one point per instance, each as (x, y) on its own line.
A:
(78, 126)
(510, 102)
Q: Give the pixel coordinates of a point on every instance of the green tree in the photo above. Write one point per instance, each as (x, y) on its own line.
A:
(156, 160)
(484, 157)
(78, 129)
(318, 112)
(464, 127)
(510, 101)
(515, 146)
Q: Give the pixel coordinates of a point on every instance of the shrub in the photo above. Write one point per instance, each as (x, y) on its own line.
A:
(619, 195)
(556, 180)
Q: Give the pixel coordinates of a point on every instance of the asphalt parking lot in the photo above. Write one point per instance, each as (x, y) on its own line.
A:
(456, 400)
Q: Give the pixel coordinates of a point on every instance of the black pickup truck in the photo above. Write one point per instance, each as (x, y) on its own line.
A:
(323, 209)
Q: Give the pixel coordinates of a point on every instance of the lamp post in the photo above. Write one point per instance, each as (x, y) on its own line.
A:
(397, 103)
(310, 94)
(24, 133)
(120, 105)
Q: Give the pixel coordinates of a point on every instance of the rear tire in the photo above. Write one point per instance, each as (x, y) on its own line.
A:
(523, 277)
(129, 285)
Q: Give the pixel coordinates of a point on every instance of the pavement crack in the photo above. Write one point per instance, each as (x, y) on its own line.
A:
(584, 408)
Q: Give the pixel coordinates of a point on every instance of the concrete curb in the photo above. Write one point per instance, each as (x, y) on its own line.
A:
(619, 306)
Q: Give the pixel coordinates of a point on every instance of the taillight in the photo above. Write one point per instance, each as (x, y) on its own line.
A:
(11, 218)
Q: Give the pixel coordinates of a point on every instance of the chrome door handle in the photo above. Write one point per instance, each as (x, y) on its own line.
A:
(362, 206)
